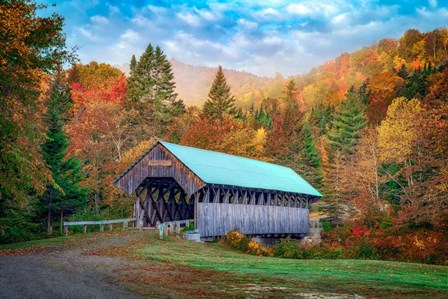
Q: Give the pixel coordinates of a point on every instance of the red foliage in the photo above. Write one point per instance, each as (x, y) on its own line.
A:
(358, 231)
(113, 91)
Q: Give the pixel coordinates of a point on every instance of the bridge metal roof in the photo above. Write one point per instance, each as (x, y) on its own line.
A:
(224, 169)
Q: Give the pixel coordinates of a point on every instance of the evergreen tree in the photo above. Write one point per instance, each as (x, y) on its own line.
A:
(64, 194)
(343, 137)
(289, 91)
(165, 104)
(220, 102)
(132, 65)
(403, 73)
(347, 124)
(417, 83)
(309, 146)
(151, 93)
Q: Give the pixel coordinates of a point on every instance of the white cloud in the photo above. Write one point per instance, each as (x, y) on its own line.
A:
(157, 9)
(208, 14)
(130, 36)
(88, 34)
(99, 20)
(264, 37)
(190, 19)
(267, 13)
(247, 24)
(311, 9)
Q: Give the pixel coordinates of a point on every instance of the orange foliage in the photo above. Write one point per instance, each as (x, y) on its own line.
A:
(229, 135)
(383, 89)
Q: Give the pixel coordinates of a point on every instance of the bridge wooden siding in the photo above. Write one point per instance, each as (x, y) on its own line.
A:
(218, 219)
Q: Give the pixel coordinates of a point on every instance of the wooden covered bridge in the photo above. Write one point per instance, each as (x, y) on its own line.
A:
(220, 192)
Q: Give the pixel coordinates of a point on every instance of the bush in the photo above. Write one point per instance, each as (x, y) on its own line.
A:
(286, 248)
(189, 227)
(18, 228)
(366, 250)
(239, 241)
(326, 225)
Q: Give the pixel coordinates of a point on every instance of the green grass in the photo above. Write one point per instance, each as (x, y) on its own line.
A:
(240, 273)
(368, 277)
(47, 242)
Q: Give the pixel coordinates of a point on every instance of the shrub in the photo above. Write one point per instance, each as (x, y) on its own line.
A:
(239, 241)
(18, 228)
(326, 225)
(366, 250)
(286, 248)
(189, 227)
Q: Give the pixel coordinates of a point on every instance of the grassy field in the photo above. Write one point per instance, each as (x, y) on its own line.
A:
(202, 270)
(363, 277)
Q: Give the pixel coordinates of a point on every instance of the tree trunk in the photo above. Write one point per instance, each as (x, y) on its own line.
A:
(62, 220)
(49, 225)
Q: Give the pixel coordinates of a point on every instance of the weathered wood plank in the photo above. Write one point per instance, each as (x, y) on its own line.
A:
(160, 163)
(217, 219)
(72, 223)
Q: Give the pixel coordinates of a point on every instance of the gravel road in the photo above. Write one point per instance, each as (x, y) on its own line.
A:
(65, 272)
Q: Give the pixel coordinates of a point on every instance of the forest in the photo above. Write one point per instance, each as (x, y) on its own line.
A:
(368, 129)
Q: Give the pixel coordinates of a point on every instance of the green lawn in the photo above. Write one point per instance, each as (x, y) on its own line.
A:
(364, 277)
(215, 270)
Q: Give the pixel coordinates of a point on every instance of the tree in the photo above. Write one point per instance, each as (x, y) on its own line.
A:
(220, 102)
(407, 42)
(133, 65)
(65, 193)
(100, 129)
(284, 138)
(151, 93)
(228, 135)
(397, 133)
(30, 47)
(347, 124)
(366, 179)
(383, 87)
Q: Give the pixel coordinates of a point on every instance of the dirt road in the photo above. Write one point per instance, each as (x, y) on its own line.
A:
(74, 270)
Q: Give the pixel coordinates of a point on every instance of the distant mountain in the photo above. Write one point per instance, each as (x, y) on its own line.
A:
(193, 83)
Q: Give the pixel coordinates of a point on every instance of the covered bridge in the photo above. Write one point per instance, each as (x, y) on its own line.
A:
(220, 192)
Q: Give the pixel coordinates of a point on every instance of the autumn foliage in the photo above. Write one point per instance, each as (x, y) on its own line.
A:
(368, 129)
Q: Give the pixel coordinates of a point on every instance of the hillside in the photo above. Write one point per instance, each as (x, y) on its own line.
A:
(193, 83)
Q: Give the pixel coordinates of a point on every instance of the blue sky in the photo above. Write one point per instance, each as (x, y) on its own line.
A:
(261, 37)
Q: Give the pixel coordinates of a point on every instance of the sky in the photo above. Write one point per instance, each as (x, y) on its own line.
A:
(261, 37)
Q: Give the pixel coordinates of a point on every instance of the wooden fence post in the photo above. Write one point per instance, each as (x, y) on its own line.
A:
(84, 228)
(177, 223)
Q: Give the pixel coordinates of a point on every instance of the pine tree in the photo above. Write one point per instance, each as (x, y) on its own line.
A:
(347, 124)
(289, 91)
(309, 146)
(151, 93)
(220, 102)
(132, 65)
(64, 194)
(343, 137)
(165, 104)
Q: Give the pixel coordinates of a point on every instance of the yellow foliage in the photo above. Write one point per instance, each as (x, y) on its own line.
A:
(398, 62)
(397, 133)
(137, 151)
(443, 186)
(419, 243)
(259, 142)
